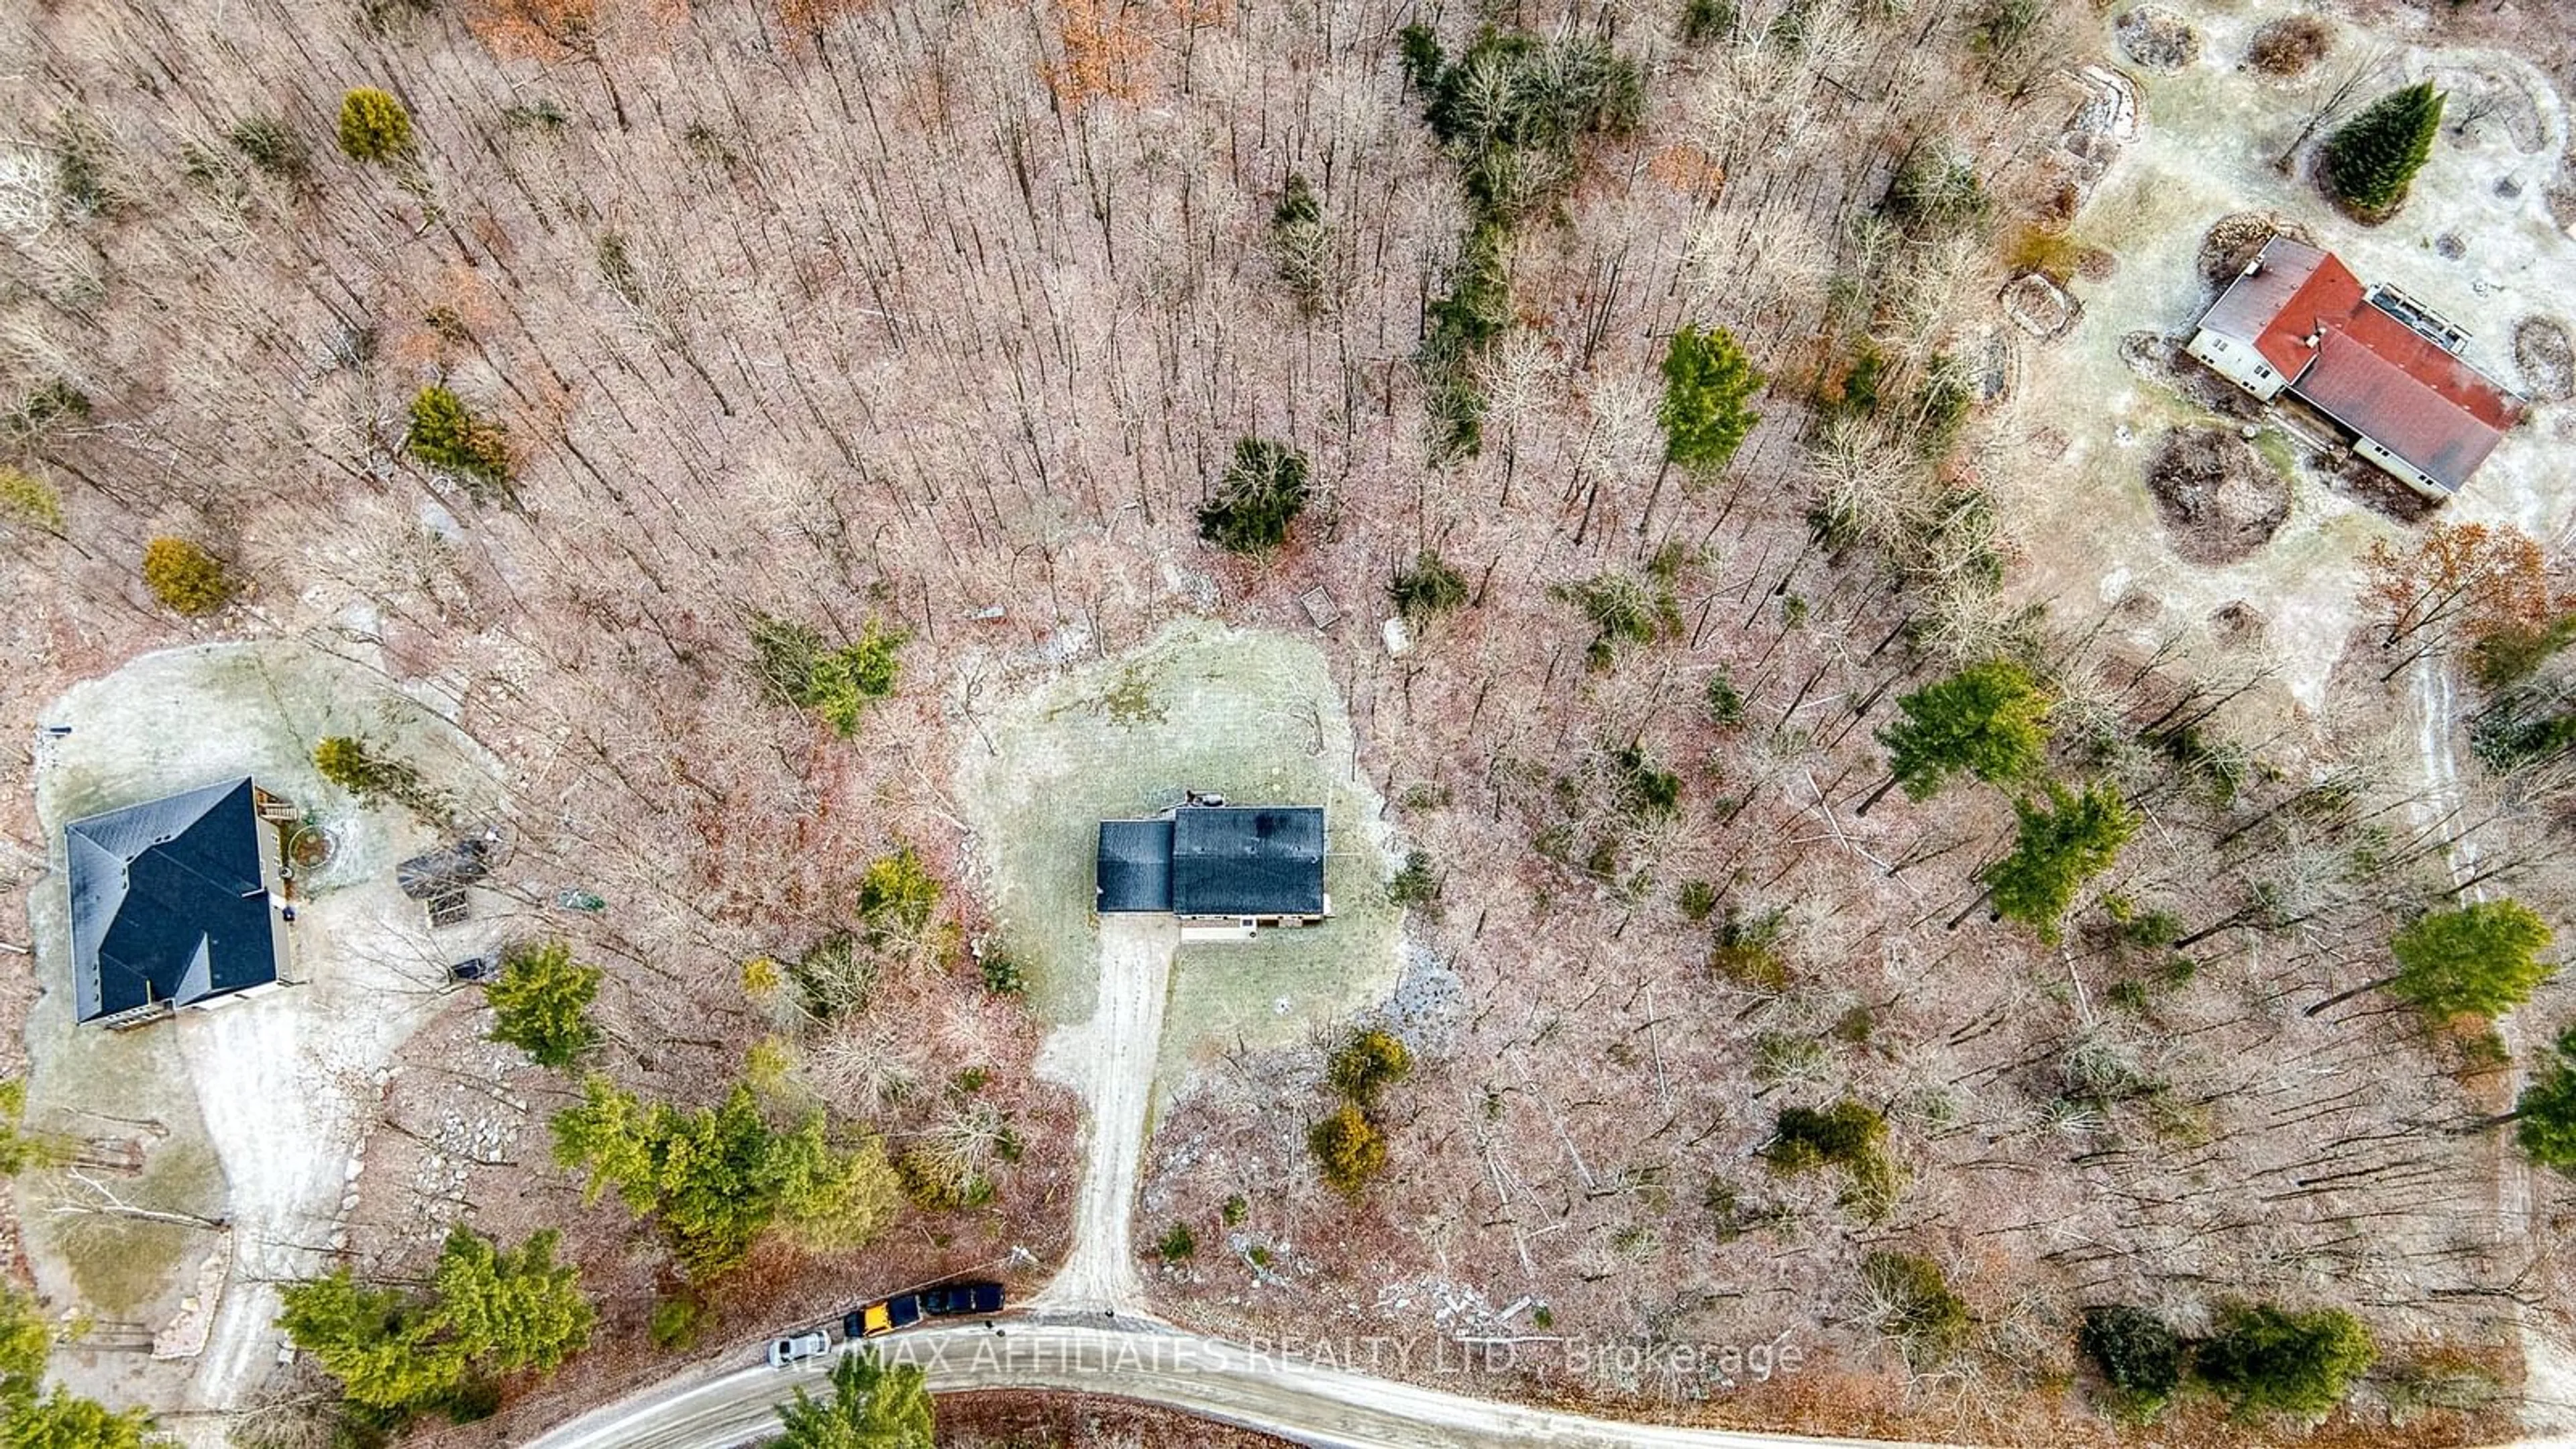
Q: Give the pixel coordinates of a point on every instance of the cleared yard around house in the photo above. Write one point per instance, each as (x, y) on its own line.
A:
(252, 1115)
(2475, 242)
(1254, 716)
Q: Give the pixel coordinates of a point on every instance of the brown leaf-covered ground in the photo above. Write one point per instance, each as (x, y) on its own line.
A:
(909, 313)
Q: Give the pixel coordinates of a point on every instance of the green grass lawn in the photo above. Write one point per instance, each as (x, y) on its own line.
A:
(1252, 715)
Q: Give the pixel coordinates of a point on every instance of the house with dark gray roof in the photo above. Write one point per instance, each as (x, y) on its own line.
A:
(1224, 870)
(176, 902)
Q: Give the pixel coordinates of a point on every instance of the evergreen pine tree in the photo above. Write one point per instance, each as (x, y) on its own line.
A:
(2298, 1364)
(2140, 1358)
(874, 1405)
(2544, 1116)
(1706, 382)
(2483, 958)
(1264, 489)
(2062, 844)
(1989, 720)
(2370, 161)
(444, 433)
(541, 1004)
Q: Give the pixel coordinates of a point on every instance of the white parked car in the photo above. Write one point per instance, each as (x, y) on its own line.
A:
(789, 1352)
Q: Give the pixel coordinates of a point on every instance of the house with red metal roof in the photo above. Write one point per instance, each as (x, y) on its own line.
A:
(2379, 364)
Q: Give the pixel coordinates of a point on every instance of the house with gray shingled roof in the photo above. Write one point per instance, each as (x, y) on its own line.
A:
(1224, 870)
(176, 902)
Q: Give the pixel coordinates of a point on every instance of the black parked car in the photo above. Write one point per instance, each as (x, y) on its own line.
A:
(955, 1298)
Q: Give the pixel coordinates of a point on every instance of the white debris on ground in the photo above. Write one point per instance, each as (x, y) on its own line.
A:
(2111, 107)
(2203, 150)
(1428, 1003)
(2038, 306)
(185, 1335)
(456, 1145)
(2106, 122)
(1271, 1260)
(1454, 1309)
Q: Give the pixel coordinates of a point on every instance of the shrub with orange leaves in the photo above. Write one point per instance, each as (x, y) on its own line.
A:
(535, 29)
(2487, 579)
(1101, 54)
(813, 14)
(1689, 170)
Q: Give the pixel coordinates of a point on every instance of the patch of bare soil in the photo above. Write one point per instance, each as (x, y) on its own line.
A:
(1079, 1421)
(2149, 353)
(2157, 38)
(2288, 46)
(2234, 239)
(2219, 500)
(2548, 362)
(2160, 358)
(2239, 625)
(2358, 478)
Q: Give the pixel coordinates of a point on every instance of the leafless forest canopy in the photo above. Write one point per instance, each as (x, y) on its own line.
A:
(906, 312)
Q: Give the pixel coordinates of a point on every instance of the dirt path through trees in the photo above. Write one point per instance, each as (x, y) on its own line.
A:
(2549, 1369)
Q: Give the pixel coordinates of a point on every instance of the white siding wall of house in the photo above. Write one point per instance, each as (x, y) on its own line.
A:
(1195, 930)
(2405, 472)
(281, 939)
(2239, 363)
(272, 875)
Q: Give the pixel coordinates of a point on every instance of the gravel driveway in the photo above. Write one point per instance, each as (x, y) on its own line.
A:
(1111, 1060)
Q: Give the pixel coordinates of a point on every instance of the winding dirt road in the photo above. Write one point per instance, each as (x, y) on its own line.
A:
(2549, 1367)
(1280, 1393)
